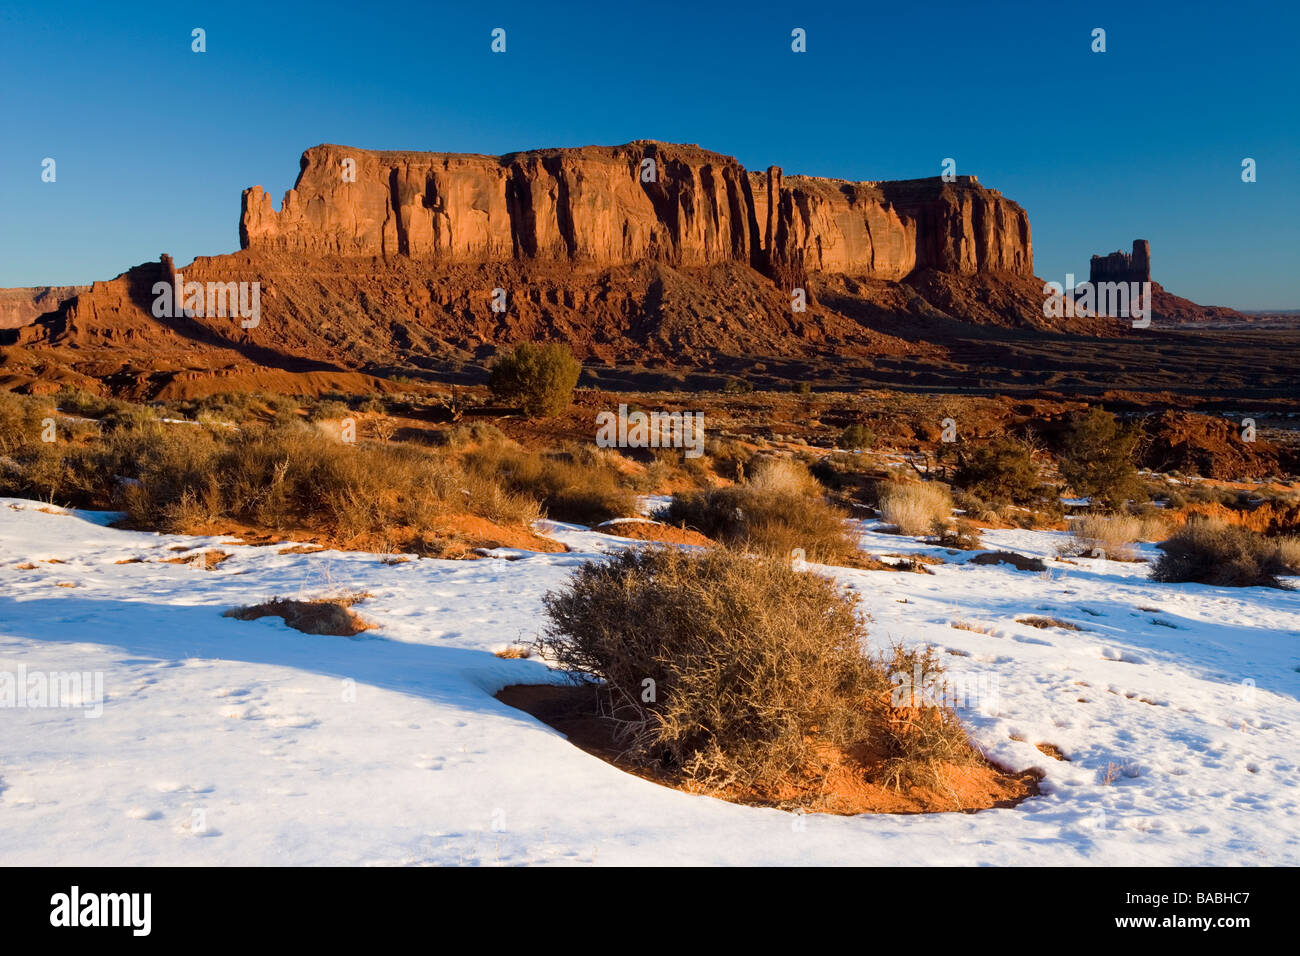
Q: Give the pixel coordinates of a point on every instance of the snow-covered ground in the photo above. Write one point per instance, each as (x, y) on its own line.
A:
(230, 742)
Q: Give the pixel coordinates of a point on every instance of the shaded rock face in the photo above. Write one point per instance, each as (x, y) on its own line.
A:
(1123, 266)
(607, 206)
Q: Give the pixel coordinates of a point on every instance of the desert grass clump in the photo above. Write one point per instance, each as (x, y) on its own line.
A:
(913, 507)
(328, 409)
(1210, 552)
(581, 484)
(187, 479)
(1288, 551)
(781, 508)
(1099, 535)
(729, 669)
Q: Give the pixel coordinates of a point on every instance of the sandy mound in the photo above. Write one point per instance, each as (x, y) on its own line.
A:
(848, 788)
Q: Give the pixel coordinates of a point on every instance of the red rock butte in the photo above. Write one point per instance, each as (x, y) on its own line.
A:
(598, 205)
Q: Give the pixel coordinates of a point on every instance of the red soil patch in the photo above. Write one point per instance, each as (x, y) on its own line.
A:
(847, 789)
(652, 531)
(479, 532)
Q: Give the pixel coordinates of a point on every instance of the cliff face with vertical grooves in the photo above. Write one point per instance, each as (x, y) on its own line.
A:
(636, 256)
(611, 206)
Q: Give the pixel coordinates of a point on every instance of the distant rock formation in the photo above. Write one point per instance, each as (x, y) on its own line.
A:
(19, 307)
(1167, 309)
(1123, 266)
(616, 205)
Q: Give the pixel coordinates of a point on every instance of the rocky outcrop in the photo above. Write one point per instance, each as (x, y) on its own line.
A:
(610, 206)
(1123, 266)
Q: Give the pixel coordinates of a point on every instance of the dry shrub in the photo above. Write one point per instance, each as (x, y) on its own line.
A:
(735, 670)
(581, 484)
(913, 507)
(1021, 562)
(730, 459)
(781, 508)
(21, 418)
(1045, 622)
(1208, 552)
(320, 616)
(1155, 526)
(1104, 535)
(180, 478)
(1288, 550)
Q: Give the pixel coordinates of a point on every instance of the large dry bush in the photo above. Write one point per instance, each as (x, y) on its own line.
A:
(1210, 552)
(736, 670)
(781, 508)
(913, 507)
(1288, 551)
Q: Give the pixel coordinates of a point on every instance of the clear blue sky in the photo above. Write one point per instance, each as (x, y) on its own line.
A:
(154, 143)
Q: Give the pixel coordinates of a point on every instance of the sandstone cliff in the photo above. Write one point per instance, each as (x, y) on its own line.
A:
(594, 205)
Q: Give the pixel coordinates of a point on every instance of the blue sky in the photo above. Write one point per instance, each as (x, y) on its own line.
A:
(154, 143)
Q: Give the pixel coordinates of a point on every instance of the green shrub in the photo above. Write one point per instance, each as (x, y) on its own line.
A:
(1097, 455)
(856, 437)
(1001, 471)
(538, 378)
